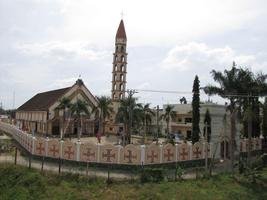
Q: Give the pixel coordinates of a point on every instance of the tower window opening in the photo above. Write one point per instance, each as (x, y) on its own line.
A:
(115, 87)
(122, 58)
(116, 58)
(120, 96)
(122, 68)
(122, 49)
(115, 77)
(117, 48)
(121, 77)
(116, 67)
(121, 87)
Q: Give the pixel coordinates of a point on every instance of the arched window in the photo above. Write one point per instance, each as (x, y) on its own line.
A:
(115, 77)
(121, 87)
(115, 87)
(120, 95)
(116, 68)
(116, 58)
(122, 49)
(121, 77)
(117, 48)
(122, 68)
(122, 58)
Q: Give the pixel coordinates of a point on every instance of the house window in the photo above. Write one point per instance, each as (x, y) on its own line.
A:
(188, 120)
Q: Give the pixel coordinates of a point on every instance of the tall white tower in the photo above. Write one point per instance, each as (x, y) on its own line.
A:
(119, 65)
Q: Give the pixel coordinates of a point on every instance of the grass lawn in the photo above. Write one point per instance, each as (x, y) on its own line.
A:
(21, 183)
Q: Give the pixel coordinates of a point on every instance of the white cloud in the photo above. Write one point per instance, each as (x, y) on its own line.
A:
(201, 57)
(63, 50)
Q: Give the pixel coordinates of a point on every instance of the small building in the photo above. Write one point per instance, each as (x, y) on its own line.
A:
(39, 114)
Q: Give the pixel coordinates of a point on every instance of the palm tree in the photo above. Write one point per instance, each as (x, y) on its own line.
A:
(232, 84)
(169, 114)
(264, 119)
(147, 114)
(79, 108)
(128, 113)
(64, 104)
(229, 85)
(103, 110)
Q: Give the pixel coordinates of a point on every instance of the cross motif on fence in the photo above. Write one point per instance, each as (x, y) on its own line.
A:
(54, 150)
(168, 155)
(108, 155)
(130, 156)
(184, 154)
(152, 156)
(88, 154)
(40, 149)
(197, 152)
(69, 152)
(251, 145)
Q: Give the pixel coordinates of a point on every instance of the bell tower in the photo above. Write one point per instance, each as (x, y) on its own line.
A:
(119, 65)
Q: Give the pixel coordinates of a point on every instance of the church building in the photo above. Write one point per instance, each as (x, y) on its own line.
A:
(40, 116)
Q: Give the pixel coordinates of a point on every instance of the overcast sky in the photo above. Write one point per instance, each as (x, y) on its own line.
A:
(47, 44)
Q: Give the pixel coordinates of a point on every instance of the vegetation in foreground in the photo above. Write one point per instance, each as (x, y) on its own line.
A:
(21, 183)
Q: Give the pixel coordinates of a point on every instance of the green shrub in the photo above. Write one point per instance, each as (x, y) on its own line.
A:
(151, 175)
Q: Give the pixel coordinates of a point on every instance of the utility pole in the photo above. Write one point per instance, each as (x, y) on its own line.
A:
(206, 148)
(130, 94)
(249, 118)
(157, 123)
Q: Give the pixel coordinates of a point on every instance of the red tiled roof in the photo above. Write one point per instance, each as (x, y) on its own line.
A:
(121, 31)
(42, 101)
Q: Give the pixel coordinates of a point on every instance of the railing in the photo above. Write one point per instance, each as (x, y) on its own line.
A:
(114, 154)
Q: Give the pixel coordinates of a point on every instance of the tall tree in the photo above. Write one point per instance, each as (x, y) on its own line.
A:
(78, 109)
(128, 112)
(207, 122)
(147, 114)
(64, 104)
(168, 115)
(264, 119)
(103, 111)
(195, 111)
(229, 86)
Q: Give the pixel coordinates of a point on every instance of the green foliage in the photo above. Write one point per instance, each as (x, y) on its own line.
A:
(264, 119)
(129, 114)
(151, 175)
(179, 172)
(16, 181)
(195, 111)
(207, 121)
(103, 110)
(169, 114)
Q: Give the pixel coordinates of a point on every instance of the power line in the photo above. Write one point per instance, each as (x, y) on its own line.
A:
(163, 91)
(187, 92)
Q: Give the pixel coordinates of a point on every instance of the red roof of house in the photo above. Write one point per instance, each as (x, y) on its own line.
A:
(42, 101)
(121, 31)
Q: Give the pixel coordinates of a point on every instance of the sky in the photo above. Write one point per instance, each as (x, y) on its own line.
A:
(47, 44)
